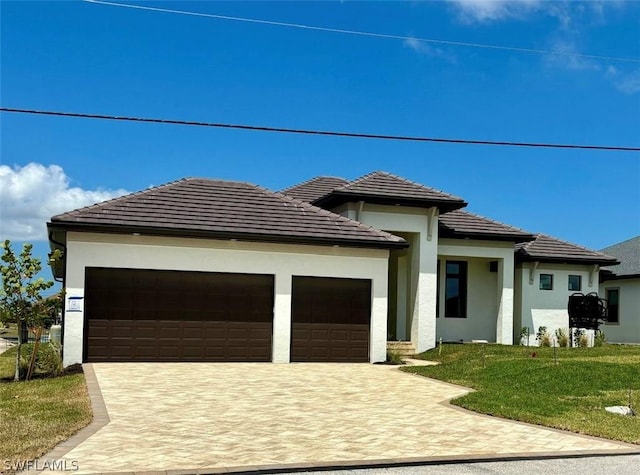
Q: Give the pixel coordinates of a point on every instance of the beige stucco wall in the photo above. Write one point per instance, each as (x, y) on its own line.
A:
(281, 260)
(490, 295)
(549, 307)
(628, 330)
(482, 304)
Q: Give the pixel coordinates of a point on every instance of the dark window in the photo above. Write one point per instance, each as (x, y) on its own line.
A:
(546, 281)
(456, 289)
(575, 282)
(613, 304)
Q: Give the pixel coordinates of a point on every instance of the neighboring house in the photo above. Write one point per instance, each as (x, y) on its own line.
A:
(327, 270)
(548, 271)
(620, 285)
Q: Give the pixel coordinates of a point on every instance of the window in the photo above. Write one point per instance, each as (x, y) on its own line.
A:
(456, 289)
(575, 282)
(546, 281)
(613, 300)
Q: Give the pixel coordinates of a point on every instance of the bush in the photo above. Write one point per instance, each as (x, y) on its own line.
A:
(543, 337)
(48, 360)
(600, 338)
(394, 357)
(562, 335)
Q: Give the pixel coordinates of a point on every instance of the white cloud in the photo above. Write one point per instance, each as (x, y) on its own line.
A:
(628, 83)
(492, 10)
(423, 47)
(31, 195)
(564, 61)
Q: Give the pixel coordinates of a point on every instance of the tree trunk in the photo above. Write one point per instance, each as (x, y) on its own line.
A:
(34, 354)
(16, 376)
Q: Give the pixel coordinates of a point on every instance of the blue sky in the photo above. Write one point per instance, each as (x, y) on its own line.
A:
(84, 57)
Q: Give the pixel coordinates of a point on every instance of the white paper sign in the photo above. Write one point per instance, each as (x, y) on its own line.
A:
(74, 304)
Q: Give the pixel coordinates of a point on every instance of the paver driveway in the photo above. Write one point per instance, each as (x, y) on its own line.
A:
(167, 416)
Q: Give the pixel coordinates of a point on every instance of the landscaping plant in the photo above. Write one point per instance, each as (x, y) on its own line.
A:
(21, 299)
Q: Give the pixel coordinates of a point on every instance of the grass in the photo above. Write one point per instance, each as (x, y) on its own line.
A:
(36, 415)
(526, 384)
(9, 331)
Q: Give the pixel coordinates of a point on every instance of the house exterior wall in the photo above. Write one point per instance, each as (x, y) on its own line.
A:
(421, 261)
(548, 307)
(489, 295)
(282, 260)
(628, 330)
(482, 305)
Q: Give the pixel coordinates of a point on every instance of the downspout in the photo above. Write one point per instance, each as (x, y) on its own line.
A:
(532, 271)
(594, 270)
(359, 210)
(63, 281)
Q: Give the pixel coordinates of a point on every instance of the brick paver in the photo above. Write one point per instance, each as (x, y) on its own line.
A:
(171, 416)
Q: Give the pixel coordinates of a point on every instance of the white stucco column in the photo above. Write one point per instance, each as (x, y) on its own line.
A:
(73, 326)
(504, 323)
(378, 331)
(423, 322)
(281, 349)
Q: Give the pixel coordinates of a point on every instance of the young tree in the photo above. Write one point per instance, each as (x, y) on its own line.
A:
(21, 292)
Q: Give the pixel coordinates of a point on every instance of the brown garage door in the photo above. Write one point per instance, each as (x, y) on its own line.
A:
(330, 319)
(151, 315)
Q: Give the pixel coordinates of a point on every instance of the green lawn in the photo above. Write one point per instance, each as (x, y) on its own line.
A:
(511, 382)
(36, 415)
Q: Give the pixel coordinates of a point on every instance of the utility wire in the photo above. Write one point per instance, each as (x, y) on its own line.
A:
(366, 33)
(321, 132)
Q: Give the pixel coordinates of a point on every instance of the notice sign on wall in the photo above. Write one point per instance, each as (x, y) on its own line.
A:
(74, 304)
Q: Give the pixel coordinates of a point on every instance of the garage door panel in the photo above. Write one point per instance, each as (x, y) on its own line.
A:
(330, 319)
(148, 315)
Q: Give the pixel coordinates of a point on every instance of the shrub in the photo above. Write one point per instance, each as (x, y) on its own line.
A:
(393, 357)
(543, 337)
(562, 335)
(600, 338)
(48, 360)
(524, 336)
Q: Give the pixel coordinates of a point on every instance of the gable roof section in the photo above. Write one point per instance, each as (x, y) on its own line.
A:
(195, 207)
(549, 249)
(462, 224)
(384, 188)
(315, 188)
(628, 253)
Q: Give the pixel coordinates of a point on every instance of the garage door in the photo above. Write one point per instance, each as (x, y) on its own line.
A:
(330, 319)
(151, 315)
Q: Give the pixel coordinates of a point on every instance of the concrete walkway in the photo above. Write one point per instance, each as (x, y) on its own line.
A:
(215, 417)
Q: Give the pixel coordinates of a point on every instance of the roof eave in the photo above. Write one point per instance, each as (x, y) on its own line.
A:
(515, 238)
(607, 277)
(335, 198)
(522, 257)
(248, 237)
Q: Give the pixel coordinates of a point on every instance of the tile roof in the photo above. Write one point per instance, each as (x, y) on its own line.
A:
(459, 223)
(385, 188)
(224, 209)
(315, 188)
(628, 253)
(549, 249)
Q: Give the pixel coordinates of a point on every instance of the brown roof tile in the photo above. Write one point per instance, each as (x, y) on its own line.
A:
(549, 249)
(385, 188)
(315, 188)
(459, 223)
(224, 209)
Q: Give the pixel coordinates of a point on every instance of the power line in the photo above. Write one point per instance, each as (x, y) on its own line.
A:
(321, 132)
(366, 33)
